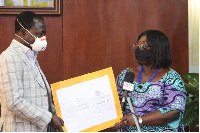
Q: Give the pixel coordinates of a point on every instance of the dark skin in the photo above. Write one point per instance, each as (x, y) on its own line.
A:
(57, 123)
(153, 118)
(38, 30)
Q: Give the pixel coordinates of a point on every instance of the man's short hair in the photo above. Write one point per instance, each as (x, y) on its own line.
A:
(160, 48)
(26, 18)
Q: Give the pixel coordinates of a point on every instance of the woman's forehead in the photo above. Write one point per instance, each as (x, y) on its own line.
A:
(143, 38)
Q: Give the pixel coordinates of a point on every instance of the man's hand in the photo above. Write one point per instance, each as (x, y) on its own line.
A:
(57, 123)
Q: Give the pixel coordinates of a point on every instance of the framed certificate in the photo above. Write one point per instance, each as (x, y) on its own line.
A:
(88, 103)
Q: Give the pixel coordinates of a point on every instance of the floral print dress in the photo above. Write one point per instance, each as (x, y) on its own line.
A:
(165, 95)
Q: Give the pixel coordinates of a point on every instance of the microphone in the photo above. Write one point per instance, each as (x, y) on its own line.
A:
(127, 87)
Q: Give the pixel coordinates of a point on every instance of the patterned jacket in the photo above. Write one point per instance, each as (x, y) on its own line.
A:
(26, 103)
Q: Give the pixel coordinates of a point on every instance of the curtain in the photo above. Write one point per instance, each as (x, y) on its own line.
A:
(193, 21)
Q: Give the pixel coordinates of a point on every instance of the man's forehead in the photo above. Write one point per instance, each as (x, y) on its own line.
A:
(39, 23)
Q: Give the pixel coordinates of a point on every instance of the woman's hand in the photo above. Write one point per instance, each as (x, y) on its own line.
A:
(128, 120)
(117, 126)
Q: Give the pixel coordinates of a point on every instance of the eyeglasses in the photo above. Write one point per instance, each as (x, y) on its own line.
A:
(142, 46)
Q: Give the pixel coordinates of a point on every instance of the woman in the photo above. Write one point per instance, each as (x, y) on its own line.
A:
(159, 94)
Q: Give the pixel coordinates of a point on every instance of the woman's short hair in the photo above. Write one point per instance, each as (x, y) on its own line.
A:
(160, 48)
(26, 18)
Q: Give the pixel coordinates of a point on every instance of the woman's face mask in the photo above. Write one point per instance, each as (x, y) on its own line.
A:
(142, 55)
(40, 44)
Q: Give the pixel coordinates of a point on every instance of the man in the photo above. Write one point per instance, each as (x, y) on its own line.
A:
(26, 103)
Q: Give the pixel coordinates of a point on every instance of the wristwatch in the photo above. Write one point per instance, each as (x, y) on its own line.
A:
(140, 120)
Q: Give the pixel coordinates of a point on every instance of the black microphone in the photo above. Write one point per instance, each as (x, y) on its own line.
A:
(127, 86)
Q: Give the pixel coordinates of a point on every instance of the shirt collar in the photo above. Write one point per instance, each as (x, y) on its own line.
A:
(31, 54)
(24, 48)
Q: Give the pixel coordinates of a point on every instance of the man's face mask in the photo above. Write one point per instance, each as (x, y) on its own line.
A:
(40, 44)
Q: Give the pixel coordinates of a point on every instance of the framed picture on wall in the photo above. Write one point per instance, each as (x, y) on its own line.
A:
(37, 6)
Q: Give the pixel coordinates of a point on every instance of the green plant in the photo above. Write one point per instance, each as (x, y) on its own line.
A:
(191, 115)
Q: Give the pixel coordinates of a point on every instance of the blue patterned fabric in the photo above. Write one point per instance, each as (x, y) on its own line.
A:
(165, 95)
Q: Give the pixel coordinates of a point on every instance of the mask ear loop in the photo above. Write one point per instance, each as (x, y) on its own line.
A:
(22, 39)
(25, 28)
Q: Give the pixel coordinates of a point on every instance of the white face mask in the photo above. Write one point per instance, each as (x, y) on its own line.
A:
(40, 44)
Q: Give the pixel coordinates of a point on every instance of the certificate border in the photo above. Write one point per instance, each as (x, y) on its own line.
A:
(87, 77)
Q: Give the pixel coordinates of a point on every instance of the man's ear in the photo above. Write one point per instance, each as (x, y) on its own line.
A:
(23, 31)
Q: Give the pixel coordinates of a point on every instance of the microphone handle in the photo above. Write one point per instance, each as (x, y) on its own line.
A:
(134, 117)
(123, 103)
